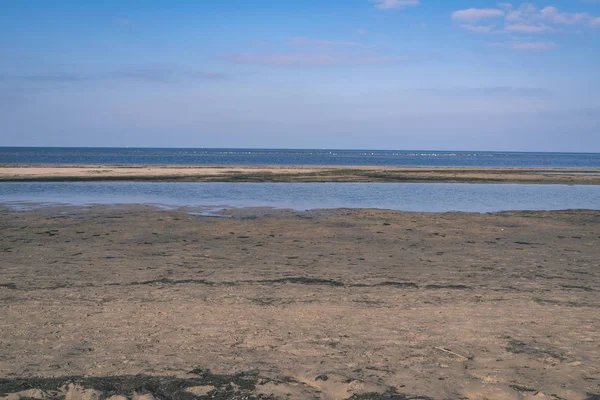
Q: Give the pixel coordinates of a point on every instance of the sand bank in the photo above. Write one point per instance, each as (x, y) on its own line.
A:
(299, 174)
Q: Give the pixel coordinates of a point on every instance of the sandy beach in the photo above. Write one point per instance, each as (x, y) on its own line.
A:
(298, 174)
(361, 304)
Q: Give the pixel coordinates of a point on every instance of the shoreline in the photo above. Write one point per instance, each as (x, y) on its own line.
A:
(107, 173)
(253, 212)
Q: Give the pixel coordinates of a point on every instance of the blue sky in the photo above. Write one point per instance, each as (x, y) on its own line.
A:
(372, 74)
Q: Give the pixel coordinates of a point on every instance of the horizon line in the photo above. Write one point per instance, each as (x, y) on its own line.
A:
(295, 148)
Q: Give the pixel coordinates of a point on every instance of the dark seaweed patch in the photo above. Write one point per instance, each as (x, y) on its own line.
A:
(226, 387)
(168, 281)
(455, 287)
(519, 347)
(237, 386)
(389, 395)
(523, 388)
(399, 284)
(584, 288)
(8, 285)
(305, 281)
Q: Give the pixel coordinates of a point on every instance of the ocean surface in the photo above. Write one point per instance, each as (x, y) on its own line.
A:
(240, 157)
(422, 197)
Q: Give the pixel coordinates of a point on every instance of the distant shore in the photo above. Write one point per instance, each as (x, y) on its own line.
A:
(91, 173)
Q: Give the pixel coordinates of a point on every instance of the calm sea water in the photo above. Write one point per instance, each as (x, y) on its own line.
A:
(133, 156)
(425, 197)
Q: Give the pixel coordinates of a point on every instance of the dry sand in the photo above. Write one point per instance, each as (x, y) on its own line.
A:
(365, 304)
(299, 174)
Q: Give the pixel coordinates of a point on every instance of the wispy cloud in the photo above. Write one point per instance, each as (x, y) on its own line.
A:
(309, 59)
(552, 14)
(44, 77)
(280, 59)
(524, 28)
(162, 74)
(302, 41)
(528, 13)
(526, 46)
(524, 13)
(479, 28)
(525, 19)
(394, 4)
(136, 73)
(512, 91)
(321, 44)
(476, 14)
(489, 91)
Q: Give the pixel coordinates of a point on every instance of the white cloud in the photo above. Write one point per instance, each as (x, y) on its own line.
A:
(527, 8)
(563, 18)
(476, 14)
(524, 28)
(513, 16)
(394, 4)
(524, 19)
(526, 12)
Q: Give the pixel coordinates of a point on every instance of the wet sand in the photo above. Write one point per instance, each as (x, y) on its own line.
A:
(299, 174)
(360, 304)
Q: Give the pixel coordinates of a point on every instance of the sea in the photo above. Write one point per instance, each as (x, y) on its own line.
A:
(291, 157)
(207, 198)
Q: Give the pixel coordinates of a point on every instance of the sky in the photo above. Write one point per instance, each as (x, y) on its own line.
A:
(344, 74)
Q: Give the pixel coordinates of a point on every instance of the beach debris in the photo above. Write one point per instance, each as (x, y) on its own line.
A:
(460, 356)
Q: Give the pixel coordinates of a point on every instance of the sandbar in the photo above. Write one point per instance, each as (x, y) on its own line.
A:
(298, 174)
